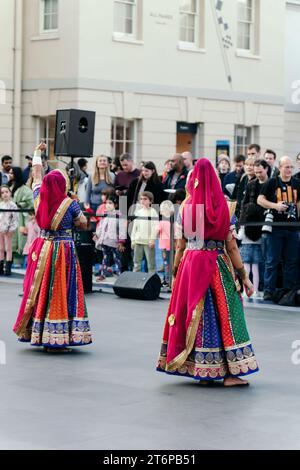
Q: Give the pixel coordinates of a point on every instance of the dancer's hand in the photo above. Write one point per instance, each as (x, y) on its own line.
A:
(42, 146)
(248, 286)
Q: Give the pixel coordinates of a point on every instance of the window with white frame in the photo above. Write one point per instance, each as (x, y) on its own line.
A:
(125, 17)
(189, 21)
(242, 139)
(246, 25)
(46, 132)
(49, 17)
(123, 137)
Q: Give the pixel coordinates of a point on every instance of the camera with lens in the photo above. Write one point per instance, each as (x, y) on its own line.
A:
(291, 212)
(269, 218)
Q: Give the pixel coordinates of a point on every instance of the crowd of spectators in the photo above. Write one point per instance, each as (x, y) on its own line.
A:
(135, 235)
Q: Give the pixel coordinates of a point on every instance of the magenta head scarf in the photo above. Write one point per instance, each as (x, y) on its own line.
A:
(52, 194)
(204, 189)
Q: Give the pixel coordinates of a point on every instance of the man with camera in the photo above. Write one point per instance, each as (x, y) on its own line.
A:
(281, 196)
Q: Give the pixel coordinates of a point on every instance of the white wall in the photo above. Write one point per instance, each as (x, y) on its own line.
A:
(50, 56)
(6, 75)
(292, 80)
(157, 61)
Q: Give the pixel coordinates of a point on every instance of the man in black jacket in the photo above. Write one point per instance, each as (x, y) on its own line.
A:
(270, 157)
(232, 179)
(281, 195)
(176, 178)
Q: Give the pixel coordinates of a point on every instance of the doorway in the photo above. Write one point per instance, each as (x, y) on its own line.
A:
(186, 134)
(184, 143)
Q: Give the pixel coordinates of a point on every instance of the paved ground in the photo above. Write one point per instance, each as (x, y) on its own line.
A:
(108, 395)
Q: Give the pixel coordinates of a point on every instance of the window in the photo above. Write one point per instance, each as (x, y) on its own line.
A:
(242, 139)
(125, 17)
(188, 21)
(46, 132)
(246, 25)
(49, 19)
(122, 137)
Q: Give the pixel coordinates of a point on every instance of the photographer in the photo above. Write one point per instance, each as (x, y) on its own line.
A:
(281, 195)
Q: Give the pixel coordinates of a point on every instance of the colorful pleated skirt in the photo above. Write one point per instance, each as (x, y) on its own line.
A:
(53, 312)
(222, 346)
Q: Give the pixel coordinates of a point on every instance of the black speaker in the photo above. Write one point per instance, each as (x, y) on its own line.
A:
(141, 286)
(85, 253)
(74, 133)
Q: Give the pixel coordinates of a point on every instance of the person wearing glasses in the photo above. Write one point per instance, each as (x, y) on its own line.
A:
(297, 175)
(281, 196)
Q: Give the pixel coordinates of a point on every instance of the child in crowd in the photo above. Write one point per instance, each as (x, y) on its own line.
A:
(144, 232)
(166, 210)
(8, 225)
(223, 168)
(32, 231)
(101, 209)
(110, 237)
(250, 250)
(100, 212)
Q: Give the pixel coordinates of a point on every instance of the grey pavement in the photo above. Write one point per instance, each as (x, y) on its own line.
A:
(109, 396)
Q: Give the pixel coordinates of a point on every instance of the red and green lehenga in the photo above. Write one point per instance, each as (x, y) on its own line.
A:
(205, 335)
(53, 311)
(217, 343)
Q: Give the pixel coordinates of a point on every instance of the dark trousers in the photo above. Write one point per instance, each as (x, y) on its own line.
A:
(281, 245)
(126, 257)
(110, 256)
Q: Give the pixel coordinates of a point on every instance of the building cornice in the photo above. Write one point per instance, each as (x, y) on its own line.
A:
(151, 89)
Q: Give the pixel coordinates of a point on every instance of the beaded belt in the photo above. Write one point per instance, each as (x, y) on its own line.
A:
(205, 245)
(56, 234)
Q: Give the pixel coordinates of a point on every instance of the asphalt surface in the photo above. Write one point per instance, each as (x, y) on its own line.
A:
(109, 396)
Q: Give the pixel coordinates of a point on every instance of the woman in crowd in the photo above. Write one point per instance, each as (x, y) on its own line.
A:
(240, 189)
(53, 312)
(8, 225)
(147, 181)
(167, 168)
(101, 178)
(83, 178)
(115, 166)
(205, 335)
(23, 197)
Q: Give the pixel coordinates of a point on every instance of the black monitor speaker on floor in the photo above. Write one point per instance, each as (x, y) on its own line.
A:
(140, 286)
(74, 133)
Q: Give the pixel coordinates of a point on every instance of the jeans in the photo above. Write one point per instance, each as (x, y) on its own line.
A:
(264, 243)
(281, 245)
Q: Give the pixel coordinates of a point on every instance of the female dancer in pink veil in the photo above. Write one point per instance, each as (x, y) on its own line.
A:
(53, 312)
(205, 335)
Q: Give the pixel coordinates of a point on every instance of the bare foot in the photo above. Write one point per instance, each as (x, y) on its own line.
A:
(235, 382)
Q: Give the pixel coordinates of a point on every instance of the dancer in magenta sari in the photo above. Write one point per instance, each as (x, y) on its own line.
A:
(205, 335)
(53, 312)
